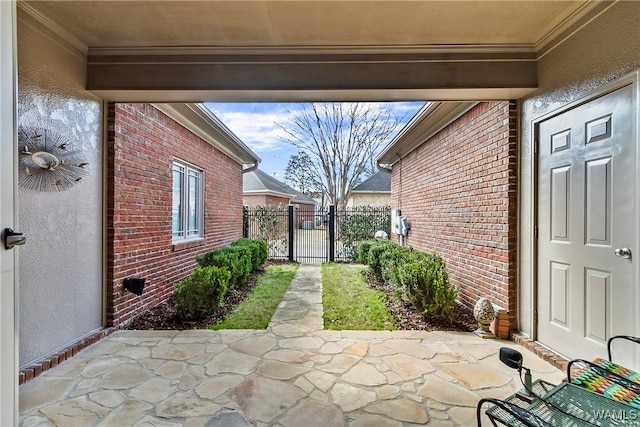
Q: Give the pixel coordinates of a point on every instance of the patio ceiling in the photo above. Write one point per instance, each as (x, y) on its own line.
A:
(298, 50)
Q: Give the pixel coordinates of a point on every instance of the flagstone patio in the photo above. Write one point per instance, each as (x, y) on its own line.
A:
(292, 374)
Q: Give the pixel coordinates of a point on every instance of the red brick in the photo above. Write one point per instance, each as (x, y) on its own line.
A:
(454, 191)
(140, 152)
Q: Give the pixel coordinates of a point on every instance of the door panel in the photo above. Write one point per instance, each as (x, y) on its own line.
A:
(586, 209)
(560, 293)
(597, 289)
(560, 207)
(598, 192)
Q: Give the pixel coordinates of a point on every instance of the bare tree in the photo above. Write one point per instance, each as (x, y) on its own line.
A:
(342, 140)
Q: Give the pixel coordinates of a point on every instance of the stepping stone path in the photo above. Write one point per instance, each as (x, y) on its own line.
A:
(294, 373)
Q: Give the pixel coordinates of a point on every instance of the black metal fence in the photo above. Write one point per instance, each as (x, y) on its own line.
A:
(356, 224)
(304, 234)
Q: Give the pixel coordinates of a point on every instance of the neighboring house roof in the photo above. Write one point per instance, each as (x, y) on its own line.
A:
(379, 182)
(258, 182)
(198, 119)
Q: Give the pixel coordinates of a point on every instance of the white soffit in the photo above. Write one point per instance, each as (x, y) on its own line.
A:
(431, 119)
(200, 121)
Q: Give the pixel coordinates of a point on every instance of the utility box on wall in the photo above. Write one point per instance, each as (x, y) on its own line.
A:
(403, 226)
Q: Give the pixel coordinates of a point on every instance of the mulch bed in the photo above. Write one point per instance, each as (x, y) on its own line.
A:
(163, 316)
(407, 317)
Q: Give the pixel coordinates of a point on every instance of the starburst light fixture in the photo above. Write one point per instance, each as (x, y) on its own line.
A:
(47, 161)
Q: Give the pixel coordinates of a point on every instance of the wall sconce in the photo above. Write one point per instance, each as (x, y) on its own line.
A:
(134, 285)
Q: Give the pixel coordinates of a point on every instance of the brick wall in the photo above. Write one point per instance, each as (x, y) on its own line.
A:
(142, 143)
(458, 191)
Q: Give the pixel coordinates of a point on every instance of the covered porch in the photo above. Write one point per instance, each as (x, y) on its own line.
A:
(61, 62)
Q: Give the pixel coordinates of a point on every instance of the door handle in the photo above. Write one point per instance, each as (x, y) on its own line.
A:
(11, 238)
(623, 253)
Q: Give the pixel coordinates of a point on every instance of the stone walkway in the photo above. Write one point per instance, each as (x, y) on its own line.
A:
(292, 374)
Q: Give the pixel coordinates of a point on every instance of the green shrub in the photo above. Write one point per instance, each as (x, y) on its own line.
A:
(242, 266)
(425, 283)
(390, 259)
(259, 250)
(377, 249)
(200, 293)
(241, 258)
(236, 260)
(419, 277)
(363, 251)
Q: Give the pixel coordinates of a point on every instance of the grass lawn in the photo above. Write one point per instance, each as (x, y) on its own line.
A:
(349, 303)
(256, 310)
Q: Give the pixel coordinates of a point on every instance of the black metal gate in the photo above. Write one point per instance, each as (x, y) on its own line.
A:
(304, 234)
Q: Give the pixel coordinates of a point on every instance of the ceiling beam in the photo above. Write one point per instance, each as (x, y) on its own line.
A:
(265, 75)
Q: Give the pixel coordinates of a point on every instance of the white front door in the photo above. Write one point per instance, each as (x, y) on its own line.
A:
(8, 335)
(587, 209)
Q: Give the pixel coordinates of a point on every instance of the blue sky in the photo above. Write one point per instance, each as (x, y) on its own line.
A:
(255, 125)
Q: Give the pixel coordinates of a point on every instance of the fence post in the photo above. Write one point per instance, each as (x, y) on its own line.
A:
(291, 242)
(245, 221)
(332, 233)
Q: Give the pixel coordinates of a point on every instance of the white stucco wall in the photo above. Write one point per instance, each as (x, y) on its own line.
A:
(603, 51)
(60, 286)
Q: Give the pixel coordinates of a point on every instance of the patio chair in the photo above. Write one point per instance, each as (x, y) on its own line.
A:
(606, 377)
(513, 411)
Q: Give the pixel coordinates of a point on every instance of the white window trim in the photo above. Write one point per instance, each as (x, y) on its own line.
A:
(184, 191)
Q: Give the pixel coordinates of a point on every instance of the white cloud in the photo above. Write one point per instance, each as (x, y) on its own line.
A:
(256, 129)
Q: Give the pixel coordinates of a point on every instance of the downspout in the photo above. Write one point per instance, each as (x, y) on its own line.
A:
(251, 168)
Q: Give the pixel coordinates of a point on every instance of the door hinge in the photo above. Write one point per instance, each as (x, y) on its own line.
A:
(535, 146)
(535, 231)
(535, 317)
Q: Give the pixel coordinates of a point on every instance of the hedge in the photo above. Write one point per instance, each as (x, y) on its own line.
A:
(201, 292)
(419, 277)
(217, 272)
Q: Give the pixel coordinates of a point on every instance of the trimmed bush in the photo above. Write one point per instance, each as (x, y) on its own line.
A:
(425, 283)
(363, 251)
(199, 294)
(240, 259)
(376, 249)
(420, 277)
(259, 250)
(236, 261)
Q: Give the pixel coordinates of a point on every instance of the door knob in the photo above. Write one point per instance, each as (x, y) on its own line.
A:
(623, 252)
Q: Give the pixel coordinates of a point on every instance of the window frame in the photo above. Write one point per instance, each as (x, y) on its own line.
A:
(185, 234)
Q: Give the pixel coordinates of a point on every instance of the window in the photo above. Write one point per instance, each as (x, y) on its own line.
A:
(187, 213)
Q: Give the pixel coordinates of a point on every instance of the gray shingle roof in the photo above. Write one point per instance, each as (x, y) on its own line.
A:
(258, 181)
(378, 182)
